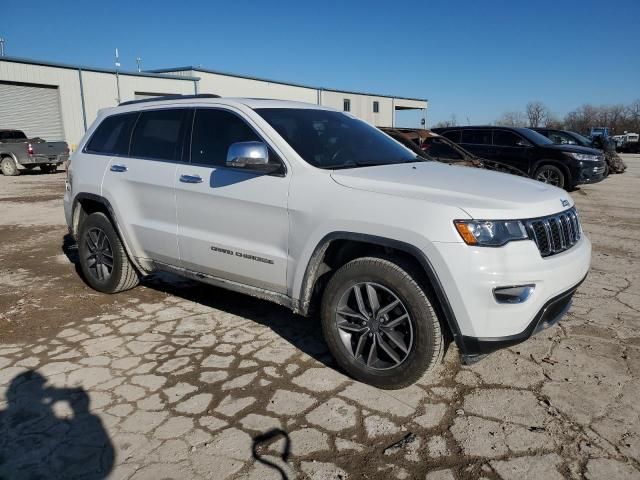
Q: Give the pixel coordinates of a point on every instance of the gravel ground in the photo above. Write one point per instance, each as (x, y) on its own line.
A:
(179, 380)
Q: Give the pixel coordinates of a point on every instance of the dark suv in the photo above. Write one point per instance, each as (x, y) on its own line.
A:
(564, 166)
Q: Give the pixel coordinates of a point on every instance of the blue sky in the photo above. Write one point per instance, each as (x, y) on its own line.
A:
(474, 59)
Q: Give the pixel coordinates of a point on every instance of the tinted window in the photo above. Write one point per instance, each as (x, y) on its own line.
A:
(113, 135)
(376, 107)
(438, 148)
(476, 137)
(561, 138)
(158, 134)
(328, 139)
(213, 133)
(504, 138)
(12, 135)
(453, 135)
(347, 105)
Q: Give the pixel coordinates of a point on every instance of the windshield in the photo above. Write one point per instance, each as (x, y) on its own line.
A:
(534, 137)
(331, 140)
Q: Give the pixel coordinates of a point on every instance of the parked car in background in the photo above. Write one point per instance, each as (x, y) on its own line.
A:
(17, 152)
(629, 143)
(564, 166)
(317, 210)
(436, 147)
(615, 164)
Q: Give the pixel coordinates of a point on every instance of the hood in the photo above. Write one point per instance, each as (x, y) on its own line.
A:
(481, 193)
(574, 149)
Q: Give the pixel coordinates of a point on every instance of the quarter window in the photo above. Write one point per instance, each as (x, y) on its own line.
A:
(158, 134)
(346, 104)
(113, 135)
(376, 107)
(476, 137)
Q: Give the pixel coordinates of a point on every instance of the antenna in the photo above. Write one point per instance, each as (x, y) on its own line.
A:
(1, 47)
(139, 62)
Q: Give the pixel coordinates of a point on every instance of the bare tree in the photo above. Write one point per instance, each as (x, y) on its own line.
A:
(452, 122)
(537, 114)
(512, 119)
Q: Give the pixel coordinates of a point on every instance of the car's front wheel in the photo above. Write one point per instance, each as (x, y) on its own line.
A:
(379, 323)
(103, 259)
(552, 175)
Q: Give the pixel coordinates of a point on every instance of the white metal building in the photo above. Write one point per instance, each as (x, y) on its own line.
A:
(57, 101)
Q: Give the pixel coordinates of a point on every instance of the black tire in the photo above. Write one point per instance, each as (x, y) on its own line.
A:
(394, 278)
(607, 170)
(551, 175)
(48, 168)
(8, 167)
(96, 236)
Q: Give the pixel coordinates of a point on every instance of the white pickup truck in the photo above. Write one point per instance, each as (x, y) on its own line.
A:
(319, 211)
(17, 153)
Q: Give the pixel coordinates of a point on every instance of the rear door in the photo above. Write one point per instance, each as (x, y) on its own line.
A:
(232, 223)
(513, 150)
(140, 185)
(478, 142)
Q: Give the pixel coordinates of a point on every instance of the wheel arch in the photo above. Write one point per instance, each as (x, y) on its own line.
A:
(563, 167)
(341, 247)
(84, 204)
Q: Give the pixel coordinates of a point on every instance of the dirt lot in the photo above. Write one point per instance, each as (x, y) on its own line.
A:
(178, 380)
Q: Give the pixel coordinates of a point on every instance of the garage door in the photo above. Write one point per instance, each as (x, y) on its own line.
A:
(34, 109)
(145, 95)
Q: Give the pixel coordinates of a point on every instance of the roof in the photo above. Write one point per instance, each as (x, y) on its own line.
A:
(95, 69)
(260, 79)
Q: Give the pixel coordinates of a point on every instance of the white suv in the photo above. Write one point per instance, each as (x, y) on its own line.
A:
(317, 210)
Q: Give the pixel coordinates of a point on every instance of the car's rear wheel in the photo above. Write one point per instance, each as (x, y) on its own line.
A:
(8, 167)
(48, 168)
(379, 323)
(103, 259)
(552, 175)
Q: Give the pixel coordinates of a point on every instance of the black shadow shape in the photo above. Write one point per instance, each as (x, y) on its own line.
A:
(36, 444)
(266, 438)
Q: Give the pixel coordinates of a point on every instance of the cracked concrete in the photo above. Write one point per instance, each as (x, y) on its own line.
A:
(180, 380)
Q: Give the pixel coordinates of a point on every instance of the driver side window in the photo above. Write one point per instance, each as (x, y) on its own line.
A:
(214, 131)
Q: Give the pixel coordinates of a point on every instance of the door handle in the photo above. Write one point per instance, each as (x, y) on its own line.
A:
(118, 168)
(190, 178)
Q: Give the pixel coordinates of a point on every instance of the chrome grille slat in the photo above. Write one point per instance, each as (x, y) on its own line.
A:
(556, 233)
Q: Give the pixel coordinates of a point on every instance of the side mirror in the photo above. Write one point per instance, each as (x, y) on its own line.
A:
(522, 143)
(247, 155)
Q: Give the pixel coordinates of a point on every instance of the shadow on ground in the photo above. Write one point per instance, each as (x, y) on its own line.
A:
(304, 333)
(37, 443)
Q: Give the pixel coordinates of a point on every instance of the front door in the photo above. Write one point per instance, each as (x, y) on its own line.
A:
(232, 223)
(513, 150)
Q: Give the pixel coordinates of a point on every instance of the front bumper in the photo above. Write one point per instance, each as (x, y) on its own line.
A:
(469, 275)
(590, 172)
(549, 315)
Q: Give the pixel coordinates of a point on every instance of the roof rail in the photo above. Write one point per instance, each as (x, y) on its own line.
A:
(170, 97)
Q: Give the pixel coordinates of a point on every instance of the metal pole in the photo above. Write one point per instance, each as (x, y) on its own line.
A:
(84, 111)
(118, 75)
(1, 47)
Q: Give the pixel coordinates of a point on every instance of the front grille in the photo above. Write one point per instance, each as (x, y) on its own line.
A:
(555, 233)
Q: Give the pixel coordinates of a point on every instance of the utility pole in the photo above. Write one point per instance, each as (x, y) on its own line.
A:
(139, 62)
(1, 47)
(118, 75)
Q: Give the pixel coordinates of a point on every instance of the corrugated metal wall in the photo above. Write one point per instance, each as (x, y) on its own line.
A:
(34, 109)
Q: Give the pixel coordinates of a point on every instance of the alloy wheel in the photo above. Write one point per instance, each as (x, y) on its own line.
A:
(99, 255)
(547, 175)
(375, 326)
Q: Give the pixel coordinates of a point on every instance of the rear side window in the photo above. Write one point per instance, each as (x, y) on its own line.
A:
(476, 137)
(213, 133)
(113, 135)
(453, 135)
(158, 134)
(504, 138)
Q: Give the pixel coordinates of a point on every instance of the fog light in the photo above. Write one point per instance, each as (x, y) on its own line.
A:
(513, 294)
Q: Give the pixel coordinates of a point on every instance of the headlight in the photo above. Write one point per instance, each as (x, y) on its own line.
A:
(490, 233)
(584, 157)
